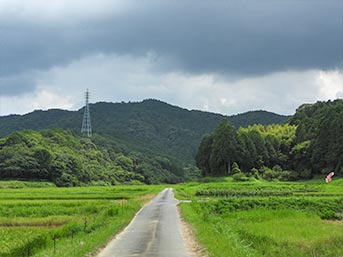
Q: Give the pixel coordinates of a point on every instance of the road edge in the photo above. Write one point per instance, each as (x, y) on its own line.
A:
(194, 248)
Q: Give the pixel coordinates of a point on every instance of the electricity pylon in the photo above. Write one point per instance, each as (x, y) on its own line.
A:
(86, 128)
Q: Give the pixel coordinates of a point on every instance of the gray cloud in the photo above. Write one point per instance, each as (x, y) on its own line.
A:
(227, 39)
(17, 84)
(236, 37)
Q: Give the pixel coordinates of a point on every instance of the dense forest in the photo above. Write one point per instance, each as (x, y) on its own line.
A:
(150, 127)
(142, 143)
(67, 160)
(310, 144)
(147, 142)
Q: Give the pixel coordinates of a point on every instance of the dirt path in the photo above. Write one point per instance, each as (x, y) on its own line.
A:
(156, 231)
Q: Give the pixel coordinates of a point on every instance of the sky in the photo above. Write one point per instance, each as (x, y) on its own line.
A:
(220, 56)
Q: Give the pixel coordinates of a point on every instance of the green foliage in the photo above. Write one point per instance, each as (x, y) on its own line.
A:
(254, 173)
(311, 144)
(252, 147)
(151, 126)
(224, 149)
(66, 160)
(239, 176)
(319, 138)
(235, 168)
(203, 155)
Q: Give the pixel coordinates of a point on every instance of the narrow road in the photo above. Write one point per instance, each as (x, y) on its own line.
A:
(155, 232)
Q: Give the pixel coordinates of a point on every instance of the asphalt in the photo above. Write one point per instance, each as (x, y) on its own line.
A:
(155, 232)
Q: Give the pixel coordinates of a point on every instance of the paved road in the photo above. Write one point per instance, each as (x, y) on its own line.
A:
(155, 232)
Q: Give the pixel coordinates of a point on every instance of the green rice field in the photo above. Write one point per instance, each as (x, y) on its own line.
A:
(259, 218)
(254, 218)
(65, 221)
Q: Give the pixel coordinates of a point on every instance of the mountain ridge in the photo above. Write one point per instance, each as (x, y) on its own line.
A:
(147, 125)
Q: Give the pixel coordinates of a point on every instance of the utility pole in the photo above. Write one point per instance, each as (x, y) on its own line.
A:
(86, 128)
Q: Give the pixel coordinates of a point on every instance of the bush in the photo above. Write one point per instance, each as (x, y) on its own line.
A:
(269, 174)
(235, 168)
(254, 172)
(240, 177)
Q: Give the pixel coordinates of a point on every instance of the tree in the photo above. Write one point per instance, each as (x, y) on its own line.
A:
(224, 149)
(249, 153)
(44, 160)
(125, 162)
(203, 155)
(261, 150)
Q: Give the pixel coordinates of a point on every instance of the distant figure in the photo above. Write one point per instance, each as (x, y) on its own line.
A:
(329, 177)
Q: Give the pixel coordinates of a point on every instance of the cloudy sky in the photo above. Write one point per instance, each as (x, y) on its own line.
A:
(221, 56)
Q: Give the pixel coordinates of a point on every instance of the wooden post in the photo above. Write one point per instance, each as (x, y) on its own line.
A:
(85, 225)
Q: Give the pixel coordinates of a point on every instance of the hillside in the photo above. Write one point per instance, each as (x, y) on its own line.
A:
(66, 160)
(150, 126)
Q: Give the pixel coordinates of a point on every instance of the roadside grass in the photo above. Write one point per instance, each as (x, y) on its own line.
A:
(259, 218)
(66, 221)
(215, 235)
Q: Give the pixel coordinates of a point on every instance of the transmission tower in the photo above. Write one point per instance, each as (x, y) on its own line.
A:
(86, 128)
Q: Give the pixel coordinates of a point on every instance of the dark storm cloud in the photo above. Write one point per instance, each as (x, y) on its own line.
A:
(229, 37)
(243, 37)
(16, 84)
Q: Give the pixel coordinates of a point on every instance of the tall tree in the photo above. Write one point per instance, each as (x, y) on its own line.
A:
(224, 149)
(203, 155)
(249, 153)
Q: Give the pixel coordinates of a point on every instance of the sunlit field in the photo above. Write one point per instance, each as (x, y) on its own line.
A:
(65, 221)
(266, 218)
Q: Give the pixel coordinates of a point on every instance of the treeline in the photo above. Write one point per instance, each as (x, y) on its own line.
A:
(310, 144)
(251, 150)
(68, 160)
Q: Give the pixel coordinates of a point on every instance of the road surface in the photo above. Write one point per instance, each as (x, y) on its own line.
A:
(155, 232)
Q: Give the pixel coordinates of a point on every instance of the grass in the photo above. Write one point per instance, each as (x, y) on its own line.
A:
(259, 218)
(65, 221)
(24, 184)
(288, 233)
(254, 218)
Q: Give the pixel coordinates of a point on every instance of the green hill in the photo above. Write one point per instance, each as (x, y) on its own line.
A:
(67, 160)
(151, 126)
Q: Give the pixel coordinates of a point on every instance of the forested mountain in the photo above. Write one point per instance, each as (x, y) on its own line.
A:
(311, 144)
(153, 142)
(150, 126)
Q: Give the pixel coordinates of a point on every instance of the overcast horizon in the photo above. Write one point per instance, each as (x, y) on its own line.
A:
(226, 57)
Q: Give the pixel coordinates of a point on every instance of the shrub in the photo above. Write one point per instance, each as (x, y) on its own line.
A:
(269, 174)
(254, 172)
(240, 177)
(235, 168)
